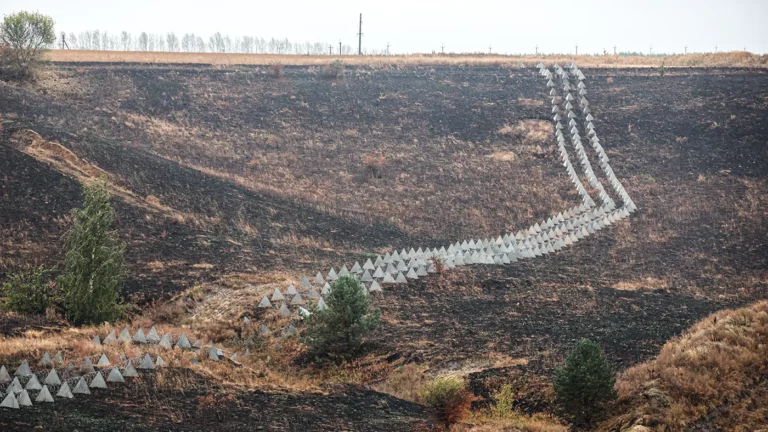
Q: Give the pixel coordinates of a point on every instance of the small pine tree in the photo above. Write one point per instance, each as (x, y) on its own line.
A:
(338, 331)
(584, 384)
(92, 279)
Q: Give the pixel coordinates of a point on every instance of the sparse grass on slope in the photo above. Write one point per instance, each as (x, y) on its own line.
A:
(716, 374)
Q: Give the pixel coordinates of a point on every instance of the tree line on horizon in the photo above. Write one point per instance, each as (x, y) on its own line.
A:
(190, 42)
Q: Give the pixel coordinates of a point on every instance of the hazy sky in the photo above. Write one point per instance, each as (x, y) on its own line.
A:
(509, 26)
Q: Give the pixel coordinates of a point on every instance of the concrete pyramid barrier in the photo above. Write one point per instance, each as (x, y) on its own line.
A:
(46, 360)
(388, 278)
(277, 295)
(297, 300)
(23, 399)
(366, 276)
(4, 374)
(64, 391)
(146, 363)
(165, 342)
(284, 311)
(10, 401)
(111, 339)
(115, 375)
(411, 274)
(152, 336)
(321, 304)
(23, 370)
(139, 337)
(291, 291)
(98, 381)
(44, 395)
(332, 275)
(52, 379)
(125, 335)
(103, 361)
(312, 294)
(129, 371)
(319, 279)
(344, 271)
(264, 330)
(81, 387)
(400, 278)
(368, 265)
(379, 273)
(87, 366)
(305, 283)
(183, 342)
(213, 353)
(326, 289)
(33, 384)
(291, 331)
(15, 386)
(96, 340)
(375, 287)
(356, 268)
(265, 303)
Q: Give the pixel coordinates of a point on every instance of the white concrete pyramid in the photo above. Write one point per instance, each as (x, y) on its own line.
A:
(277, 295)
(183, 342)
(291, 331)
(366, 276)
(284, 311)
(400, 278)
(379, 273)
(326, 289)
(344, 271)
(139, 337)
(321, 305)
(332, 274)
(10, 401)
(165, 342)
(264, 329)
(146, 363)
(411, 274)
(64, 391)
(23, 399)
(111, 338)
(96, 340)
(375, 287)
(125, 335)
(33, 383)
(81, 387)
(356, 268)
(52, 379)
(98, 381)
(297, 300)
(291, 291)
(213, 353)
(87, 366)
(130, 371)
(305, 283)
(152, 336)
(313, 294)
(4, 374)
(46, 360)
(44, 395)
(388, 278)
(115, 375)
(265, 303)
(103, 361)
(23, 370)
(15, 386)
(319, 279)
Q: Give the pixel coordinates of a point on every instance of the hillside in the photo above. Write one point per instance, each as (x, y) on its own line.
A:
(230, 182)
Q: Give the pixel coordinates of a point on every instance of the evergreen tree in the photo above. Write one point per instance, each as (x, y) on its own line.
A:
(338, 331)
(584, 385)
(92, 279)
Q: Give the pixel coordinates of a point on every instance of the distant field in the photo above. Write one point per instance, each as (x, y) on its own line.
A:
(738, 59)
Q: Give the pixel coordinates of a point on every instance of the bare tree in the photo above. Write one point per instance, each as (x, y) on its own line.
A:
(160, 43)
(173, 42)
(216, 43)
(125, 41)
(72, 41)
(188, 42)
(143, 41)
(260, 45)
(246, 44)
(199, 44)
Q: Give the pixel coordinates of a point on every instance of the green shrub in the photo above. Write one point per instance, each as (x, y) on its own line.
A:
(24, 37)
(93, 275)
(448, 399)
(584, 384)
(30, 291)
(504, 401)
(338, 330)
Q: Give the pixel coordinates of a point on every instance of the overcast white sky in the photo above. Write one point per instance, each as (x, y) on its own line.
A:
(509, 26)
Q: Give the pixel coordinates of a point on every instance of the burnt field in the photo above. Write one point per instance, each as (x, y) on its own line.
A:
(223, 171)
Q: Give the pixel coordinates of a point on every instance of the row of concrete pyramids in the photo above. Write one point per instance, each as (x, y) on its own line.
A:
(558, 231)
(17, 396)
(576, 139)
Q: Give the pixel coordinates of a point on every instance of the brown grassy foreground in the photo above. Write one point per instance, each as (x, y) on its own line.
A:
(729, 59)
(714, 375)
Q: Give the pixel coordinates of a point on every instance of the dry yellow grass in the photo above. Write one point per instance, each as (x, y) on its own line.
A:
(714, 374)
(742, 59)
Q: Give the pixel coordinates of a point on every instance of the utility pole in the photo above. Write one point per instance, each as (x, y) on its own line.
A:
(537, 50)
(650, 50)
(360, 37)
(339, 47)
(715, 49)
(577, 49)
(614, 50)
(442, 49)
(489, 49)
(387, 47)
(64, 41)
(686, 49)
(330, 49)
